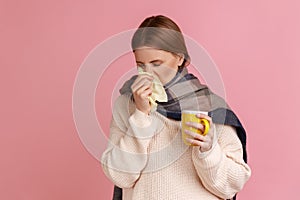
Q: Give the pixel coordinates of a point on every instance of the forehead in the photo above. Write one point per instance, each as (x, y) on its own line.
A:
(148, 53)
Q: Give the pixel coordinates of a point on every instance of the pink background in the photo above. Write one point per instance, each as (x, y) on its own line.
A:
(255, 45)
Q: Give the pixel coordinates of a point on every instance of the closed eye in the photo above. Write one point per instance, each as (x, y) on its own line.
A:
(155, 63)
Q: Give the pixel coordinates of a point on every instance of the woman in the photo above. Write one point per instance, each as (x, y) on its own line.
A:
(146, 157)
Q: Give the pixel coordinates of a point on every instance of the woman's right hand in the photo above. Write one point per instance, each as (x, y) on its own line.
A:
(141, 90)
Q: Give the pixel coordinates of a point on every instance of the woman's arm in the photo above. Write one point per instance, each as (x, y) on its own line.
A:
(126, 154)
(223, 170)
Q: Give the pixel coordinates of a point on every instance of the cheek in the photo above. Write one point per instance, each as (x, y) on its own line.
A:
(161, 73)
(165, 74)
(173, 64)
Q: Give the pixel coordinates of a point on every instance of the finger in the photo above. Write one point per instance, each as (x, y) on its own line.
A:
(196, 125)
(203, 116)
(146, 93)
(140, 83)
(196, 136)
(143, 88)
(203, 146)
(194, 142)
(143, 77)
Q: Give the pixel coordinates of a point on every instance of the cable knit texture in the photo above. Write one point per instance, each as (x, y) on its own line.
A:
(148, 159)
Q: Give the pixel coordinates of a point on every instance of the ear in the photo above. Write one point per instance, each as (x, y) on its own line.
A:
(181, 59)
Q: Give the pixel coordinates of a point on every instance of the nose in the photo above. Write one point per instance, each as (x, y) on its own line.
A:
(148, 68)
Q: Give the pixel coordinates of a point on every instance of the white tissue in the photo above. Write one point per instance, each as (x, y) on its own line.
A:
(158, 91)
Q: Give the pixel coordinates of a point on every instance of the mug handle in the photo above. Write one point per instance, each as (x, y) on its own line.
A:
(206, 126)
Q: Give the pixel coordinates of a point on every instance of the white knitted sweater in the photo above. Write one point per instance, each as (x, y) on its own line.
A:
(147, 158)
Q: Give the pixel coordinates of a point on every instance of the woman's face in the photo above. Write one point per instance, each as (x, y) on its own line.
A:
(159, 62)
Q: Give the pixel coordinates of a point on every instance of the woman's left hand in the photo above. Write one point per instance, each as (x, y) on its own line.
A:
(204, 142)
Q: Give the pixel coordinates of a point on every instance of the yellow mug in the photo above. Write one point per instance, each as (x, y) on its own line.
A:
(190, 116)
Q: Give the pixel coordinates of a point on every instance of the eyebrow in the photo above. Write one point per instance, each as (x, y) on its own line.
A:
(153, 61)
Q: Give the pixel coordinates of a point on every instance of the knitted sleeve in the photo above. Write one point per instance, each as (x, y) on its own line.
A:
(126, 153)
(223, 170)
